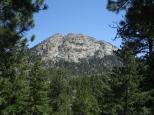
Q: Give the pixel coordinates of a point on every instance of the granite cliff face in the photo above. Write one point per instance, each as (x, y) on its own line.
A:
(72, 47)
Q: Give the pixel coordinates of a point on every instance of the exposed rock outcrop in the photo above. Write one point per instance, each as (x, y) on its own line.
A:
(72, 47)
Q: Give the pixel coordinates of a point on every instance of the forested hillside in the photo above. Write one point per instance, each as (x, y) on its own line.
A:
(77, 54)
(88, 66)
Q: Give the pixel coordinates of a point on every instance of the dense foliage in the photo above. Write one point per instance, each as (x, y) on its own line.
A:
(136, 32)
(90, 66)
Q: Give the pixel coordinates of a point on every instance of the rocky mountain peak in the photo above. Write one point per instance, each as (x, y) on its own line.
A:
(72, 47)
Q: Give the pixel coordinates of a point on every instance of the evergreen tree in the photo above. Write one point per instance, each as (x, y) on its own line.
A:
(59, 94)
(14, 86)
(38, 102)
(16, 17)
(126, 93)
(101, 89)
(84, 102)
(136, 31)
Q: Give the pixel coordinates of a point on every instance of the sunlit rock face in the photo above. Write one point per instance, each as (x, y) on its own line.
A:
(72, 47)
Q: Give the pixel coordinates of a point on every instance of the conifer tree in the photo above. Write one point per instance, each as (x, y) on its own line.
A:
(101, 89)
(125, 84)
(38, 101)
(84, 102)
(136, 31)
(16, 17)
(14, 87)
(59, 94)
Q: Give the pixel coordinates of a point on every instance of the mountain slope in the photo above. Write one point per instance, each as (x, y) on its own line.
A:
(77, 53)
(72, 47)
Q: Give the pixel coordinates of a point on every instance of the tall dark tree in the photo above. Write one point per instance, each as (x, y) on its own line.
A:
(101, 88)
(84, 102)
(14, 86)
(125, 85)
(16, 17)
(38, 101)
(59, 94)
(136, 31)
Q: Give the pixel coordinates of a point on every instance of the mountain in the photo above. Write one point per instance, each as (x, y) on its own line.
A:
(72, 47)
(77, 53)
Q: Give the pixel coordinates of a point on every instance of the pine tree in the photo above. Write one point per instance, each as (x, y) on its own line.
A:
(59, 94)
(136, 31)
(84, 102)
(125, 84)
(14, 84)
(38, 101)
(16, 17)
(101, 89)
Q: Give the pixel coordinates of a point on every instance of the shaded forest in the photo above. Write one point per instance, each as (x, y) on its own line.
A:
(27, 88)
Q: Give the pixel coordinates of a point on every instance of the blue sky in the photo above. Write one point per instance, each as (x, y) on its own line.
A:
(89, 17)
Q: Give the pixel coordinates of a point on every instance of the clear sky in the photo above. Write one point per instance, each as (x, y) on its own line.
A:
(89, 17)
